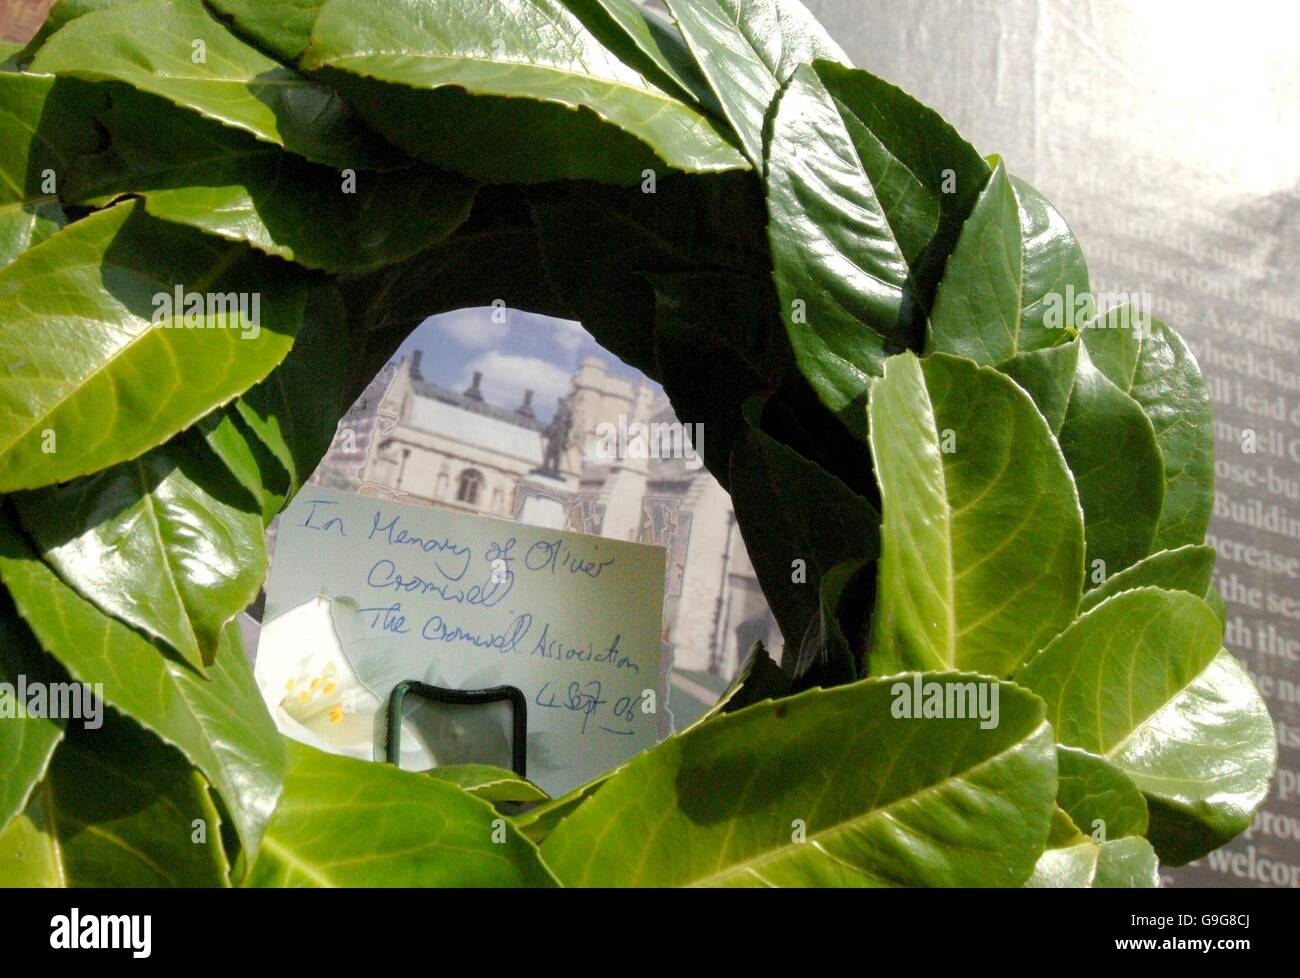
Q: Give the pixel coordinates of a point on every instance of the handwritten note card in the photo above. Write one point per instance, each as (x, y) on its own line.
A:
(466, 602)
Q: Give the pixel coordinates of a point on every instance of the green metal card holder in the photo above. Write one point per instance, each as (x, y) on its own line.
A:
(462, 697)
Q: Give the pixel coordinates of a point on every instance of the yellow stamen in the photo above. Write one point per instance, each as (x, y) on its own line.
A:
(336, 714)
(303, 697)
(329, 688)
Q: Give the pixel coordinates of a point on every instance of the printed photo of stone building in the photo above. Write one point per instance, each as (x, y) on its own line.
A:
(621, 465)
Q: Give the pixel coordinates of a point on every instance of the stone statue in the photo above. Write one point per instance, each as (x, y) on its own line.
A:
(557, 435)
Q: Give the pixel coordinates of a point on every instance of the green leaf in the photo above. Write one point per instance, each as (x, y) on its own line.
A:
(1054, 269)
(1097, 795)
(1112, 452)
(1015, 266)
(226, 183)
(176, 50)
(345, 822)
(793, 516)
(1151, 363)
(828, 656)
(654, 47)
(26, 742)
(1187, 569)
(539, 822)
(219, 723)
(867, 190)
(248, 460)
(168, 542)
(295, 410)
(509, 91)
(757, 679)
(282, 27)
(747, 51)
(841, 274)
(117, 809)
(91, 378)
(489, 783)
(717, 806)
(44, 124)
(1048, 377)
(1142, 682)
(977, 309)
(1126, 863)
(982, 543)
(600, 243)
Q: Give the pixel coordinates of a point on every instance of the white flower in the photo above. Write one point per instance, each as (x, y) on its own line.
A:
(309, 685)
(314, 694)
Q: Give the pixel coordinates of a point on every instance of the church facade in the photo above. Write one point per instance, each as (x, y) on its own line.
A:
(624, 467)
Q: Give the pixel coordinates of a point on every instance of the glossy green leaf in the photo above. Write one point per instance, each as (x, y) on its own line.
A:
(489, 783)
(1100, 800)
(540, 821)
(982, 543)
(345, 822)
(1048, 377)
(1142, 682)
(1187, 569)
(718, 806)
(97, 370)
(977, 309)
(747, 50)
(510, 91)
(176, 50)
(798, 521)
(1126, 863)
(867, 189)
(119, 808)
(829, 655)
(219, 723)
(1014, 266)
(1112, 452)
(282, 27)
(1151, 363)
(248, 459)
(27, 741)
(225, 182)
(168, 542)
(1054, 276)
(648, 42)
(44, 124)
(295, 410)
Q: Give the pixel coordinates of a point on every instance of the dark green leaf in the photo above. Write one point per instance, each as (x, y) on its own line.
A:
(510, 91)
(225, 182)
(1142, 682)
(1054, 271)
(798, 521)
(176, 50)
(747, 50)
(1112, 452)
(98, 371)
(982, 543)
(723, 805)
(1048, 377)
(1151, 363)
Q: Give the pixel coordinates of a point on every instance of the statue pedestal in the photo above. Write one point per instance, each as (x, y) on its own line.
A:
(544, 500)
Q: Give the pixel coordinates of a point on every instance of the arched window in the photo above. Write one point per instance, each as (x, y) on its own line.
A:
(471, 481)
